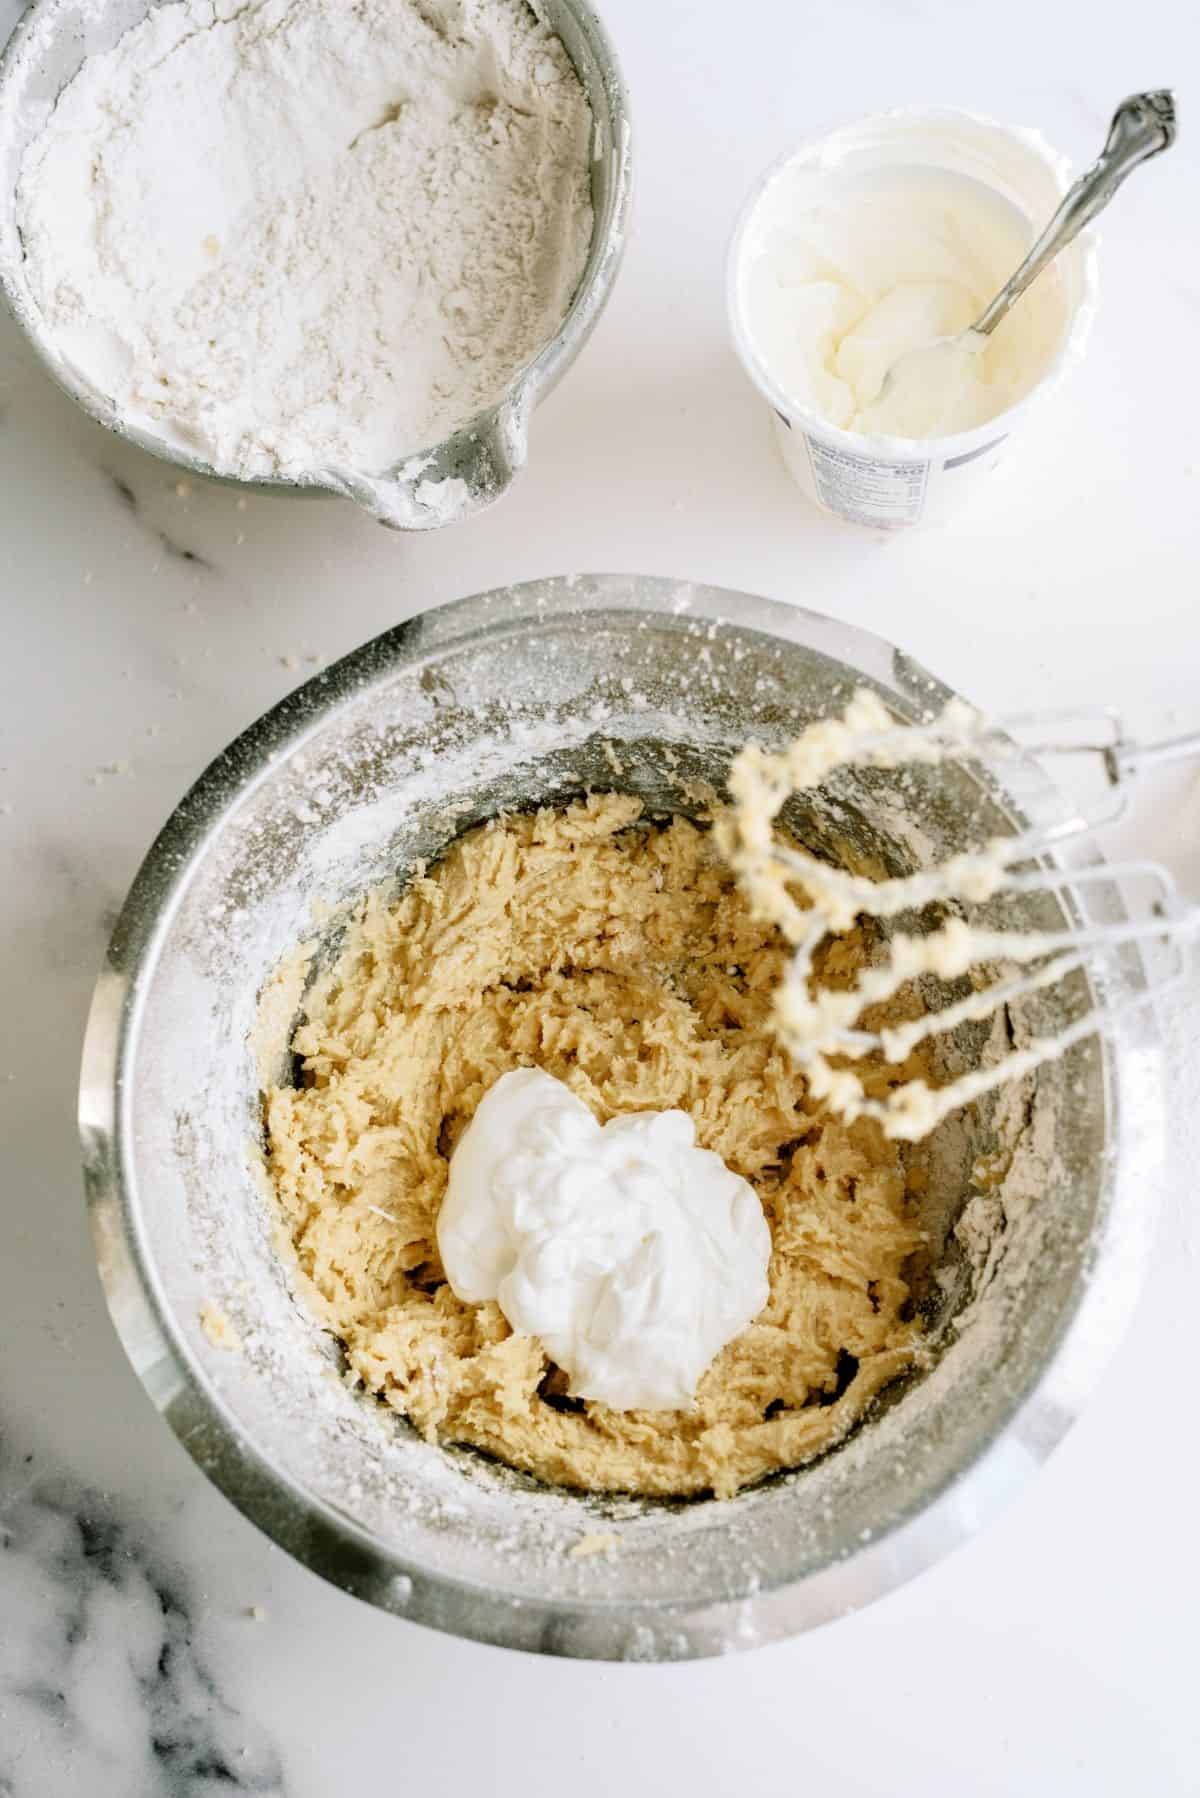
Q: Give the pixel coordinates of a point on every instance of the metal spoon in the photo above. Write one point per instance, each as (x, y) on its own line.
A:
(1142, 126)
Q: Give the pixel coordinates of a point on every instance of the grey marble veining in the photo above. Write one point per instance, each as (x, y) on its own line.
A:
(166, 540)
(10, 12)
(103, 1690)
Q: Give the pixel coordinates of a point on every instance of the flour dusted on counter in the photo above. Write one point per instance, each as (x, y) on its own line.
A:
(298, 234)
(632, 1254)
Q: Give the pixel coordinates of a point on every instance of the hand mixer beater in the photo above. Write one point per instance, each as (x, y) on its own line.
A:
(827, 1029)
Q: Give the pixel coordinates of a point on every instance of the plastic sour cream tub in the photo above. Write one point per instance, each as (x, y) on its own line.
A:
(871, 241)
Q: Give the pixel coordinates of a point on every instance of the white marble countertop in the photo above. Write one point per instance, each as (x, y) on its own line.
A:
(1054, 1655)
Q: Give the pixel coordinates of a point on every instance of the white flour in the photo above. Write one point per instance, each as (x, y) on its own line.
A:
(302, 234)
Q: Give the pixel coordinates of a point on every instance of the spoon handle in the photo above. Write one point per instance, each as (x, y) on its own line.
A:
(1141, 127)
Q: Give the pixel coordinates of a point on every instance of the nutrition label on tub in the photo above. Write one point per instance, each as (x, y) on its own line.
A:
(865, 489)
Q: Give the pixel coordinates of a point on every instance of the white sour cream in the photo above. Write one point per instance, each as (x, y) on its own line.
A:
(632, 1254)
(844, 271)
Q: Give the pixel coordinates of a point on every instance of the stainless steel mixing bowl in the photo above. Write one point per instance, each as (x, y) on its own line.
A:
(482, 458)
(527, 694)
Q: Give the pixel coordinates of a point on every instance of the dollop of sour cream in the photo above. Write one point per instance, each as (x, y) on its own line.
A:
(633, 1255)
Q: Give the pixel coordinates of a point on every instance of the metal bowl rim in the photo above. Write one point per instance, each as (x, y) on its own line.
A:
(330, 1542)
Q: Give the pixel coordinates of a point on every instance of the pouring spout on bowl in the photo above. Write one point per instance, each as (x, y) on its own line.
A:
(468, 472)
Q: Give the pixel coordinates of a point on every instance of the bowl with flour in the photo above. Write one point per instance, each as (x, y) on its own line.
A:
(1032, 1207)
(310, 244)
